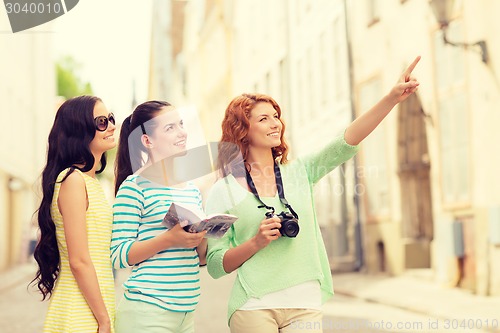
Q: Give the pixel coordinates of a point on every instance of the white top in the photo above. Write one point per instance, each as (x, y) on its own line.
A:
(306, 295)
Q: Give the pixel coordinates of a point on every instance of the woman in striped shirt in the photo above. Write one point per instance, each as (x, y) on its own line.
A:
(163, 289)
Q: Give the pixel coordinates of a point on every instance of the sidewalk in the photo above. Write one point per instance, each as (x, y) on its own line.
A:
(21, 309)
(409, 292)
(419, 294)
(13, 276)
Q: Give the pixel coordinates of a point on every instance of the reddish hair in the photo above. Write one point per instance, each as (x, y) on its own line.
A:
(235, 127)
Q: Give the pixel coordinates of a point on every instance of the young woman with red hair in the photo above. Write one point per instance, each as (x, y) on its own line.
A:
(276, 245)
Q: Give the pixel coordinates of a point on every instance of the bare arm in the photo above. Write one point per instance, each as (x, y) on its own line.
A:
(73, 203)
(175, 237)
(362, 126)
(202, 251)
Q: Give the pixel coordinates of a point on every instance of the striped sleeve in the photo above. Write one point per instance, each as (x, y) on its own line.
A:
(127, 212)
(200, 201)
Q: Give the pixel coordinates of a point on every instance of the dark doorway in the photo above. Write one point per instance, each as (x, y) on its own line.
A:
(414, 175)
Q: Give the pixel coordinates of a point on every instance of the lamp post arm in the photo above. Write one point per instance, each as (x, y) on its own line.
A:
(483, 50)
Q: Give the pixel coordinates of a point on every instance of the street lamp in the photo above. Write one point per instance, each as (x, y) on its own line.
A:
(442, 10)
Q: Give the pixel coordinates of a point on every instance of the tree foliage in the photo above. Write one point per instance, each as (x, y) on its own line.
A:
(68, 82)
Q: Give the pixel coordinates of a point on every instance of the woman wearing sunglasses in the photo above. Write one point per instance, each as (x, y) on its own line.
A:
(75, 221)
(163, 289)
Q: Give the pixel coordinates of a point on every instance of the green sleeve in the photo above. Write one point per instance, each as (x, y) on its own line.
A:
(320, 163)
(217, 247)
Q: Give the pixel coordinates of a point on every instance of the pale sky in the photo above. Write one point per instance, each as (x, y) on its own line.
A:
(111, 40)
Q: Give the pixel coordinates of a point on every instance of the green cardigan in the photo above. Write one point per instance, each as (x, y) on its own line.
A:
(285, 262)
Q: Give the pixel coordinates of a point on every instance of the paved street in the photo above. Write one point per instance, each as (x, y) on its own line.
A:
(345, 314)
(22, 312)
(20, 308)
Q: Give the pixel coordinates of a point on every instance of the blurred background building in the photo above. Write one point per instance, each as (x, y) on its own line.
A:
(27, 103)
(424, 191)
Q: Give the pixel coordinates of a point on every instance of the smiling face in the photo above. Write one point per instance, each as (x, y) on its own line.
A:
(168, 137)
(265, 127)
(103, 140)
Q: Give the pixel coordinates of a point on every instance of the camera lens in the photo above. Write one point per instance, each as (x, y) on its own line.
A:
(289, 228)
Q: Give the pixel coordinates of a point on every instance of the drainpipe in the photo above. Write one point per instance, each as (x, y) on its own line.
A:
(358, 241)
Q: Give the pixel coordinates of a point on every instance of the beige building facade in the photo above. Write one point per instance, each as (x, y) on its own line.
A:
(424, 190)
(27, 101)
(208, 68)
(294, 51)
(434, 198)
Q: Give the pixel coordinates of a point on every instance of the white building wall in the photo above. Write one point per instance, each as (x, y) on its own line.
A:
(382, 50)
(293, 50)
(161, 78)
(259, 45)
(27, 108)
(208, 62)
(296, 51)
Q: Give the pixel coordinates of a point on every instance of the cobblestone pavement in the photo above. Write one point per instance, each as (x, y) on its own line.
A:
(363, 311)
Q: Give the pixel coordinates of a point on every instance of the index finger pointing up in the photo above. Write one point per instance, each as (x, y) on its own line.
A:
(410, 69)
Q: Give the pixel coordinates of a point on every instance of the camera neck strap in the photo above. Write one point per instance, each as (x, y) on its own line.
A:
(279, 187)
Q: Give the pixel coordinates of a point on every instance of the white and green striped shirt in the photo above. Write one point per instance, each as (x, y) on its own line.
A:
(169, 279)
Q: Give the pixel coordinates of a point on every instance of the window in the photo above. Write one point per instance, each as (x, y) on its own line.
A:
(340, 67)
(283, 84)
(324, 70)
(374, 170)
(301, 88)
(268, 88)
(311, 81)
(373, 11)
(453, 118)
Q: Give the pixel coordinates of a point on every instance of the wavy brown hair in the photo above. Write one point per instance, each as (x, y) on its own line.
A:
(235, 127)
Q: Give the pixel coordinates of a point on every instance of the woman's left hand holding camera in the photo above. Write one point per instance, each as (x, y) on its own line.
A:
(268, 232)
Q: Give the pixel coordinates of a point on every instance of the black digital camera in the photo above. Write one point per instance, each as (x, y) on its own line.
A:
(289, 224)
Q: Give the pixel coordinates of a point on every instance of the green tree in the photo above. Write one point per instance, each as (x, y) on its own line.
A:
(68, 83)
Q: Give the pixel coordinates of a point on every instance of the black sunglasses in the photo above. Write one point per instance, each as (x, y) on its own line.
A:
(101, 122)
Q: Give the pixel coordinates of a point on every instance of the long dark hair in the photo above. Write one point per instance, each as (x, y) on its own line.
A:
(125, 163)
(68, 145)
